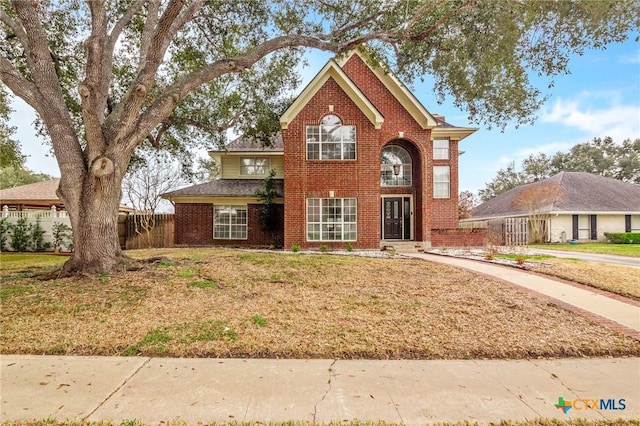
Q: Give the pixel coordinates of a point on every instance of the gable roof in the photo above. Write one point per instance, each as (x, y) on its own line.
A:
(581, 193)
(399, 91)
(226, 188)
(334, 71)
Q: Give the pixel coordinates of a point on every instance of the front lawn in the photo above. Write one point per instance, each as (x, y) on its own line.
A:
(632, 250)
(227, 303)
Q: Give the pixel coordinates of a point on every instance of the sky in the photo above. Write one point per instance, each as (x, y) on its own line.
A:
(601, 97)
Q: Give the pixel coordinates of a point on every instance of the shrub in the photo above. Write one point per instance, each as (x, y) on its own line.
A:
(62, 237)
(349, 247)
(21, 238)
(324, 248)
(623, 237)
(295, 248)
(37, 237)
(5, 234)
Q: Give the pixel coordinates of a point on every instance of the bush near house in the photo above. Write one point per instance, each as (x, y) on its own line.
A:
(623, 237)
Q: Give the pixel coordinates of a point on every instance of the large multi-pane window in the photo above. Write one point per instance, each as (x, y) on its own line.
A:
(395, 165)
(230, 222)
(441, 181)
(331, 219)
(331, 140)
(441, 149)
(254, 166)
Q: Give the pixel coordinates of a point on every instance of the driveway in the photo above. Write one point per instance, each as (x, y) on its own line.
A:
(590, 257)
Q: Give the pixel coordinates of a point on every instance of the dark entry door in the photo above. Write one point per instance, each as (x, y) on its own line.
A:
(392, 218)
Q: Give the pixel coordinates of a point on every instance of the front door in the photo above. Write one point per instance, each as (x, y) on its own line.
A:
(392, 210)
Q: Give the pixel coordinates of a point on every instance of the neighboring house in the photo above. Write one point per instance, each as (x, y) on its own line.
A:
(583, 206)
(35, 196)
(360, 161)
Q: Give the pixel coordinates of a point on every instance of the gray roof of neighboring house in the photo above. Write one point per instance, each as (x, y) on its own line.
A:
(251, 144)
(580, 193)
(227, 188)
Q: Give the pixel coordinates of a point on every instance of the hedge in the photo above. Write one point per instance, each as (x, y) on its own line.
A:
(623, 237)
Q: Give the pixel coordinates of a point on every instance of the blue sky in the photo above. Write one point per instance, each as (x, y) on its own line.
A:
(601, 97)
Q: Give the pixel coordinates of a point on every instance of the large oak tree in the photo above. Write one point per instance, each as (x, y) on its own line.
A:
(108, 76)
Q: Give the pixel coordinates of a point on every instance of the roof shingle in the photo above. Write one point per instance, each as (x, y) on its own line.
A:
(581, 193)
(227, 188)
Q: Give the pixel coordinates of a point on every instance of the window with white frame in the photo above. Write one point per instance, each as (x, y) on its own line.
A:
(441, 149)
(331, 140)
(441, 182)
(230, 222)
(331, 219)
(251, 166)
(395, 166)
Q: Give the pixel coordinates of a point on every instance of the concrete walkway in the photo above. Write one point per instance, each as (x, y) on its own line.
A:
(155, 390)
(625, 314)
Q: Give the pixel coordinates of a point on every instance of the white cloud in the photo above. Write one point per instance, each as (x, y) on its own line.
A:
(596, 115)
(631, 58)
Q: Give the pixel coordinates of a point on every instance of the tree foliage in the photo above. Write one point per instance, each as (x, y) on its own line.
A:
(466, 202)
(108, 78)
(600, 156)
(12, 170)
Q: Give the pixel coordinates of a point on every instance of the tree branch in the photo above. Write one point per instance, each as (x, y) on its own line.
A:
(14, 26)
(93, 100)
(19, 85)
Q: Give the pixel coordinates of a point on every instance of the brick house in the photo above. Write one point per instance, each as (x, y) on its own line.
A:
(358, 160)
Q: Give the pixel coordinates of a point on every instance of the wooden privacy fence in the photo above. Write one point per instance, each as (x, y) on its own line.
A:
(139, 230)
(516, 231)
(511, 231)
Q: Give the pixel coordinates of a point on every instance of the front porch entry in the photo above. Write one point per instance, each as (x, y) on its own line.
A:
(397, 217)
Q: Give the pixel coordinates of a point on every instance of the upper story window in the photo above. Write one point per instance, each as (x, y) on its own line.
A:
(251, 166)
(441, 149)
(441, 182)
(331, 140)
(395, 164)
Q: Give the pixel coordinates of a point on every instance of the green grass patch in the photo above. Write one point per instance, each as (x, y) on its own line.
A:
(203, 284)
(187, 273)
(527, 257)
(153, 342)
(259, 320)
(631, 250)
(13, 290)
(20, 261)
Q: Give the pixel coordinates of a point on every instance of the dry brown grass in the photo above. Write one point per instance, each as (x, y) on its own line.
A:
(623, 280)
(224, 303)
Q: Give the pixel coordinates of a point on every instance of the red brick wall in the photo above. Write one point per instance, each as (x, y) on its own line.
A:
(459, 237)
(194, 226)
(360, 178)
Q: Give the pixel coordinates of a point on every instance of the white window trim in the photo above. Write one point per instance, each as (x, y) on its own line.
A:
(322, 222)
(448, 182)
(341, 142)
(441, 149)
(254, 158)
(229, 225)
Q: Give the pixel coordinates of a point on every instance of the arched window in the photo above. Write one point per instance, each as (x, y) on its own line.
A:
(331, 140)
(395, 164)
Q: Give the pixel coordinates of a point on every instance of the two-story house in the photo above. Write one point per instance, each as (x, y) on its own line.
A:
(359, 160)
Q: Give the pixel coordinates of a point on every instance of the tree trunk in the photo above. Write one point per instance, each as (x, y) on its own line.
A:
(94, 218)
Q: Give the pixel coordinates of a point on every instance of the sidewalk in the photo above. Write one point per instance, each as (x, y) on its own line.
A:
(155, 390)
(588, 301)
